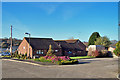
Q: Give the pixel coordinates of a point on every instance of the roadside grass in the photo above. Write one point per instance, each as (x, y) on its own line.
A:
(81, 57)
(6, 56)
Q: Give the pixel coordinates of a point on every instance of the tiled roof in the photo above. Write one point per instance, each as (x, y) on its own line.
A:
(71, 43)
(69, 40)
(64, 45)
(42, 43)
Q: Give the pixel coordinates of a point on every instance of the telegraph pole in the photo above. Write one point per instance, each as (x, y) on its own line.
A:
(11, 41)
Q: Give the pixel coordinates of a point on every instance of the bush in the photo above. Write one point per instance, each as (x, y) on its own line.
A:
(18, 56)
(56, 59)
(50, 51)
(95, 53)
(36, 59)
(117, 50)
(102, 53)
(15, 54)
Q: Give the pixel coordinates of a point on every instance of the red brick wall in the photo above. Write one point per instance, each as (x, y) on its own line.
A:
(24, 48)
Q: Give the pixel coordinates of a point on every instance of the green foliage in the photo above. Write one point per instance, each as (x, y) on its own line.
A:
(102, 53)
(69, 61)
(50, 51)
(36, 59)
(15, 54)
(42, 59)
(104, 41)
(81, 57)
(26, 54)
(5, 45)
(93, 38)
(117, 50)
(18, 56)
(60, 62)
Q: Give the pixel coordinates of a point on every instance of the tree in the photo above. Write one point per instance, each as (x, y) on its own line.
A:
(93, 38)
(50, 51)
(104, 41)
(5, 45)
(117, 50)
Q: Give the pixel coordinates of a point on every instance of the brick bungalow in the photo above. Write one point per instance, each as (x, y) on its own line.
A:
(38, 47)
(74, 47)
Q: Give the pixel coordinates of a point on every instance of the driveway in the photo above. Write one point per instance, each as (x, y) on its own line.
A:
(87, 68)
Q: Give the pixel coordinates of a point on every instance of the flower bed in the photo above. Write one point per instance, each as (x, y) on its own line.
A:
(57, 59)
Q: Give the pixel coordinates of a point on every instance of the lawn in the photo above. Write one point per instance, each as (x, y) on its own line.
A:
(81, 57)
(5, 56)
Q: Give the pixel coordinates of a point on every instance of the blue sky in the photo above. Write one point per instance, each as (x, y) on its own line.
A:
(60, 20)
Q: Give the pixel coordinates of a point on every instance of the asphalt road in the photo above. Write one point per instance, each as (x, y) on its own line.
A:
(87, 68)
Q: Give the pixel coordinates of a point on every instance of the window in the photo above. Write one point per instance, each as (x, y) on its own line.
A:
(40, 52)
(56, 50)
(37, 52)
(69, 52)
(24, 47)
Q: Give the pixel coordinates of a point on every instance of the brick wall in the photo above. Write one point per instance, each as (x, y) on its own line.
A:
(24, 48)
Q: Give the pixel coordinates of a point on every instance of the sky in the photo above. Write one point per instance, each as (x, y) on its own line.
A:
(60, 20)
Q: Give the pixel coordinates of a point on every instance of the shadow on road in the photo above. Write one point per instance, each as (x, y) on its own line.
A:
(83, 62)
(5, 58)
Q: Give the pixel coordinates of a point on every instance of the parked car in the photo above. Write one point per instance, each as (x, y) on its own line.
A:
(0, 54)
(5, 54)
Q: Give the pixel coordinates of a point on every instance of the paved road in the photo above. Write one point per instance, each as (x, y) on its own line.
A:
(87, 68)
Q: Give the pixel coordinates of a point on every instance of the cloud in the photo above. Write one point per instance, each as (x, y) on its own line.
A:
(48, 7)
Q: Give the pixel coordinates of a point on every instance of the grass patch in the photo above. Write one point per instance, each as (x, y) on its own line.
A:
(81, 57)
(6, 56)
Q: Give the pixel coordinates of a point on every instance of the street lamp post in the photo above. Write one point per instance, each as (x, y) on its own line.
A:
(29, 42)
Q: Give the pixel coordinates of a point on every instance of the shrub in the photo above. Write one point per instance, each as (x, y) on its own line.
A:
(58, 62)
(103, 53)
(57, 59)
(15, 54)
(95, 53)
(42, 59)
(117, 50)
(50, 51)
(26, 54)
(36, 59)
(23, 56)
(18, 56)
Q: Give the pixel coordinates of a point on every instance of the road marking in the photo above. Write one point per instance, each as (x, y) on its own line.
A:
(24, 62)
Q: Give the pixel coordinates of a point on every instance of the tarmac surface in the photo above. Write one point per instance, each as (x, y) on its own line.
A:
(87, 68)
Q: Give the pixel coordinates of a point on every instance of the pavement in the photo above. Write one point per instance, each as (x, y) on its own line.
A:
(87, 68)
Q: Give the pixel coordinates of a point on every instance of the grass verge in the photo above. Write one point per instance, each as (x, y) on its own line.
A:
(81, 57)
